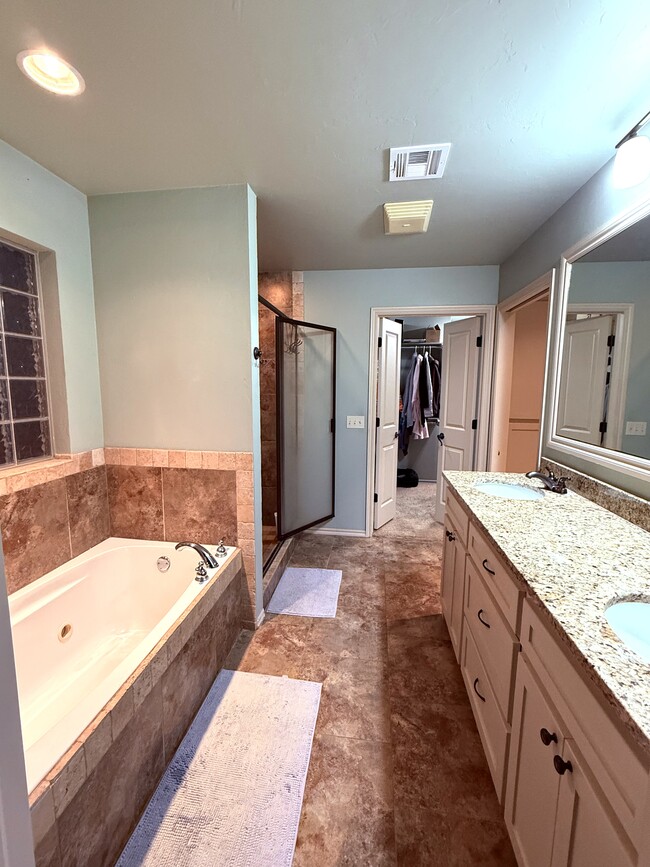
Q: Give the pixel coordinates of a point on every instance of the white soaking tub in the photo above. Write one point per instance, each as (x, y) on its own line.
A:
(80, 631)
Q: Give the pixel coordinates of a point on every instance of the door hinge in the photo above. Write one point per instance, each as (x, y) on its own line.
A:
(379, 342)
(479, 341)
(603, 427)
(611, 340)
(376, 498)
(377, 422)
(331, 425)
(474, 423)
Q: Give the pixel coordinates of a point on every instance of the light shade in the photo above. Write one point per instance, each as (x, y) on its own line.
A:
(51, 72)
(632, 163)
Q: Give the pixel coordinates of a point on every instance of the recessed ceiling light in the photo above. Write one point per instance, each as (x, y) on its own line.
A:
(51, 72)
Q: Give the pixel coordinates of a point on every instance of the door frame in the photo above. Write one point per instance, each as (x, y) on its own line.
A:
(488, 311)
(16, 842)
(546, 285)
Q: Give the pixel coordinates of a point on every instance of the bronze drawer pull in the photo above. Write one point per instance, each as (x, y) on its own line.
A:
(547, 737)
(484, 622)
(487, 568)
(482, 697)
(561, 766)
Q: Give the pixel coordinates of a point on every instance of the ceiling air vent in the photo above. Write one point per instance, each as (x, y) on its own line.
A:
(407, 218)
(419, 162)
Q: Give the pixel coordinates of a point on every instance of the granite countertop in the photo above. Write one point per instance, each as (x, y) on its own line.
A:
(576, 559)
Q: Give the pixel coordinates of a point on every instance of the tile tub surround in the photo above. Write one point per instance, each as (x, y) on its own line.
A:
(575, 559)
(166, 494)
(85, 809)
(627, 506)
(51, 520)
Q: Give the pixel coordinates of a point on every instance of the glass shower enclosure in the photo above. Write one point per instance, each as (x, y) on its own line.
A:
(305, 355)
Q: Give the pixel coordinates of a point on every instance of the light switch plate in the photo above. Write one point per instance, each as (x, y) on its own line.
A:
(356, 421)
(635, 428)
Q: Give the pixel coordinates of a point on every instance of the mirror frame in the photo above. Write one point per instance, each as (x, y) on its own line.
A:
(630, 465)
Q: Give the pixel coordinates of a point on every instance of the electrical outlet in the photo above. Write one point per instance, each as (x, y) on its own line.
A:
(356, 421)
(635, 428)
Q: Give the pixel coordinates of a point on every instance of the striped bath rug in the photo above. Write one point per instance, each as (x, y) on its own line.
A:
(307, 592)
(233, 792)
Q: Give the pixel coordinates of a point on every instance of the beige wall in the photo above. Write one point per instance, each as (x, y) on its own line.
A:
(528, 362)
(529, 358)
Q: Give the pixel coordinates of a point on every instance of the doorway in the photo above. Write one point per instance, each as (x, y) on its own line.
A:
(520, 378)
(451, 431)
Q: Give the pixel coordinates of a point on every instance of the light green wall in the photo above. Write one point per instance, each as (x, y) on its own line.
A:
(344, 299)
(40, 208)
(595, 205)
(172, 272)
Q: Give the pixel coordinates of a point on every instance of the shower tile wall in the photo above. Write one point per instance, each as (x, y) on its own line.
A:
(284, 289)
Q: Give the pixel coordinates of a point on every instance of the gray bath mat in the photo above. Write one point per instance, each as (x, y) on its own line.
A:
(233, 792)
(307, 592)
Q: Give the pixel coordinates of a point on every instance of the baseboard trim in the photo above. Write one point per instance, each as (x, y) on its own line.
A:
(326, 531)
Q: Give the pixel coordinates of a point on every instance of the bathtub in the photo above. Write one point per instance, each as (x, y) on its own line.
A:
(80, 632)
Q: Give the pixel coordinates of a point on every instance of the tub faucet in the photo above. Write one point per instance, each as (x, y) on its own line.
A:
(208, 559)
(551, 482)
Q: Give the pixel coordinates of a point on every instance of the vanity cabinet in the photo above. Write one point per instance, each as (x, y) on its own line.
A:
(453, 569)
(575, 788)
(555, 811)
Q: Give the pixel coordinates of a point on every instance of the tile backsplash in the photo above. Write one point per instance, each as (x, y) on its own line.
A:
(633, 509)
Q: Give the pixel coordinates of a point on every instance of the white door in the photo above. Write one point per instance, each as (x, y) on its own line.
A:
(458, 400)
(388, 376)
(583, 380)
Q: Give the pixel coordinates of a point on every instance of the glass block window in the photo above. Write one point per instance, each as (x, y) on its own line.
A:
(24, 412)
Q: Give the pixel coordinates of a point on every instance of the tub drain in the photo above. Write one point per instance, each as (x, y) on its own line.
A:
(65, 632)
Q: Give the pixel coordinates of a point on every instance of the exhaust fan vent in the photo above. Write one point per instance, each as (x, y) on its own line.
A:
(418, 163)
(407, 218)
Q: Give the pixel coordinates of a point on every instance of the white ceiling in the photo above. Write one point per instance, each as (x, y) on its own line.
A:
(301, 99)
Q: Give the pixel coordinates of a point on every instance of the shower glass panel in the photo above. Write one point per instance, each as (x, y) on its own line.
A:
(306, 381)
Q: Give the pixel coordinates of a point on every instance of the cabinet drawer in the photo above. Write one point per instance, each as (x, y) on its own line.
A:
(458, 516)
(497, 644)
(503, 587)
(621, 774)
(493, 729)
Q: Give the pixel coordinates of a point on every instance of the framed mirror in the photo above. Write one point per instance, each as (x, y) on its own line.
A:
(599, 407)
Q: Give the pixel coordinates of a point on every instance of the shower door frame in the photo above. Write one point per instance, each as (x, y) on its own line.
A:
(279, 390)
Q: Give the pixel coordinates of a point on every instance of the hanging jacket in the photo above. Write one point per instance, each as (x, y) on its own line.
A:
(435, 384)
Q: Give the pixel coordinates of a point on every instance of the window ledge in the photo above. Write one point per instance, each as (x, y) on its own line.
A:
(17, 478)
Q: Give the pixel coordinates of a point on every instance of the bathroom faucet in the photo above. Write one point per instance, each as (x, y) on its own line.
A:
(558, 486)
(208, 559)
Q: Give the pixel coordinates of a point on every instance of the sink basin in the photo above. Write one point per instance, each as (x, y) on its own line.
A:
(508, 491)
(631, 622)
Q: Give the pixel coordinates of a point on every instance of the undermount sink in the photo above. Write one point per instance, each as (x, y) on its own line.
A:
(631, 622)
(508, 491)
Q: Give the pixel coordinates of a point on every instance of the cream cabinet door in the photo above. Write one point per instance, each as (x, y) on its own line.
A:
(532, 784)
(453, 584)
(586, 835)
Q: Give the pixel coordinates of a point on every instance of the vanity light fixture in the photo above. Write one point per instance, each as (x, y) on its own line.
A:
(632, 163)
(51, 72)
